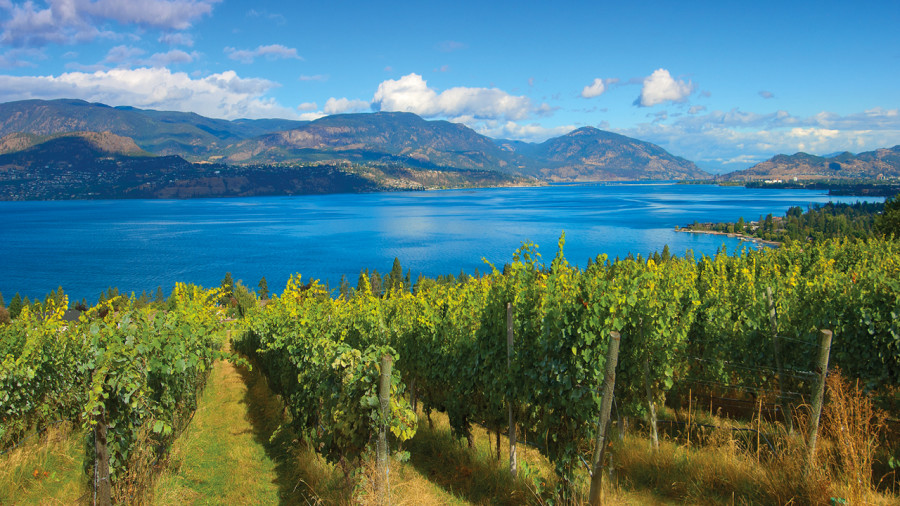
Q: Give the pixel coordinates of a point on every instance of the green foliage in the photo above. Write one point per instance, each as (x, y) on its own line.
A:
(15, 306)
(131, 369)
(263, 289)
(323, 356)
(888, 222)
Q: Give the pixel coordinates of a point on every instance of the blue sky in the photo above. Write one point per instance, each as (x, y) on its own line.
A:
(725, 84)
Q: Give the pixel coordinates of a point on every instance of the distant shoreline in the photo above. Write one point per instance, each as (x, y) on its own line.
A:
(742, 237)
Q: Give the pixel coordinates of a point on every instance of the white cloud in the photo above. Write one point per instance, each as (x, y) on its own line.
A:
(515, 131)
(732, 140)
(317, 77)
(307, 106)
(15, 58)
(766, 94)
(177, 39)
(594, 89)
(126, 57)
(223, 95)
(173, 57)
(696, 109)
(122, 54)
(311, 116)
(342, 105)
(411, 93)
(660, 87)
(67, 21)
(271, 52)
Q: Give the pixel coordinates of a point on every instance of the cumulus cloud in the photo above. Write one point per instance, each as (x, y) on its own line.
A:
(270, 52)
(735, 139)
(307, 106)
(411, 93)
(223, 95)
(594, 89)
(766, 94)
(660, 87)
(67, 21)
(342, 105)
(696, 109)
(514, 131)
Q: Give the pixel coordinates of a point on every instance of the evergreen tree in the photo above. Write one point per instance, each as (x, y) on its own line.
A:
(160, 297)
(395, 279)
(345, 288)
(227, 289)
(263, 289)
(15, 306)
(407, 285)
(2, 302)
(144, 299)
(362, 284)
(376, 283)
(666, 254)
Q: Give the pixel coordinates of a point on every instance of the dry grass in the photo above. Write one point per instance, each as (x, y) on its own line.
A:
(46, 470)
(854, 426)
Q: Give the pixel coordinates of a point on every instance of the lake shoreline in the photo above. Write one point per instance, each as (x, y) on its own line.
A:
(733, 235)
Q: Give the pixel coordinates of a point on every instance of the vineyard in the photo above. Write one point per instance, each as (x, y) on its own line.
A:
(129, 376)
(739, 328)
(542, 352)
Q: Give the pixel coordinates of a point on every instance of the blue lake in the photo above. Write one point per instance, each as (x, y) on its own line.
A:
(87, 246)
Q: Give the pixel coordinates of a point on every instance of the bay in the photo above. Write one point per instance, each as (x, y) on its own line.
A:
(137, 245)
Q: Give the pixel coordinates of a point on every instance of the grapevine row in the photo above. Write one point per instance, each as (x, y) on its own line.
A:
(681, 319)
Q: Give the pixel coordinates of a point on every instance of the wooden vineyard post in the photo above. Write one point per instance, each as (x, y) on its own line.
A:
(818, 394)
(512, 418)
(102, 488)
(384, 398)
(651, 406)
(609, 383)
(779, 365)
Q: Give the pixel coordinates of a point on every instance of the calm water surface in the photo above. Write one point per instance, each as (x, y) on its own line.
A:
(87, 246)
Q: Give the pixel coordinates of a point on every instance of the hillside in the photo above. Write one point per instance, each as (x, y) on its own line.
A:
(90, 165)
(384, 138)
(102, 142)
(589, 154)
(380, 136)
(160, 132)
(867, 165)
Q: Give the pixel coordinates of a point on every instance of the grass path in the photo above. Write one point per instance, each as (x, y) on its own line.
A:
(225, 457)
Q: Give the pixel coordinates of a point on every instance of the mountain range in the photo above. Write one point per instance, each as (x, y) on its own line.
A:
(880, 163)
(586, 154)
(72, 148)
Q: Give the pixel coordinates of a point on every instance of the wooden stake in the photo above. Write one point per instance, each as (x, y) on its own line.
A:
(609, 383)
(818, 395)
(513, 464)
(384, 398)
(779, 365)
(103, 489)
(651, 406)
